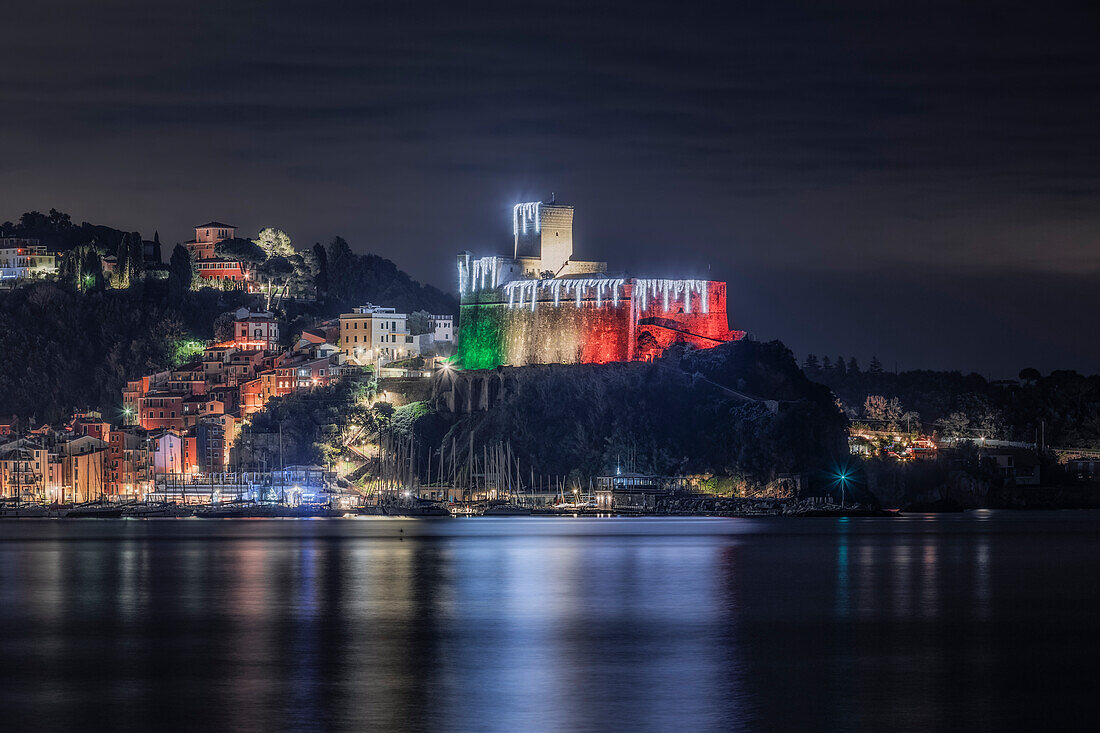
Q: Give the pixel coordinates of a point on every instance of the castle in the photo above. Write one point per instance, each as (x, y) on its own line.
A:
(543, 306)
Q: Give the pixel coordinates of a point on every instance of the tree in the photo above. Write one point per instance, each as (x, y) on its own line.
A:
(826, 364)
(122, 263)
(223, 326)
(242, 250)
(274, 242)
(135, 260)
(420, 322)
(853, 366)
(840, 369)
(91, 268)
(954, 425)
(876, 366)
(275, 269)
(320, 281)
(245, 251)
(878, 408)
(874, 407)
(82, 268)
(810, 364)
(1030, 375)
(180, 273)
(156, 247)
(910, 419)
(893, 412)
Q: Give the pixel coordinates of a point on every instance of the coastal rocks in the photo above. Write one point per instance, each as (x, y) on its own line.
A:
(704, 505)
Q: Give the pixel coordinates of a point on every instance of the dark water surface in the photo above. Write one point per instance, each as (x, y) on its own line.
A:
(982, 621)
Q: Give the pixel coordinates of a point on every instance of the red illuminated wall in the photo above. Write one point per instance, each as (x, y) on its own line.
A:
(492, 333)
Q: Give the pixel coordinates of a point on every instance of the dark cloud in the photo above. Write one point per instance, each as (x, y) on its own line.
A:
(941, 150)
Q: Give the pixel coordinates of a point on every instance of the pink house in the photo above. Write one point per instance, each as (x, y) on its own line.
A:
(209, 265)
(256, 331)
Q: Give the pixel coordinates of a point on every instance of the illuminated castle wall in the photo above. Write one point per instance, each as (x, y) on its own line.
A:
(580, 316)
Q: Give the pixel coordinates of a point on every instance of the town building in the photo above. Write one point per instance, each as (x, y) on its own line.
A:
(24, 470)
(162, 410)
(543, 306)
(135, 390)
(129, 464)
(82, 467)
(375, 335)
(207, 262)
(167, 453)
(22, 258)
(257, 330)
(443, 328)
(211, 446)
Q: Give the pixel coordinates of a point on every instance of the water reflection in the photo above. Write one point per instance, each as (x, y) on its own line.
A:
(533, 624)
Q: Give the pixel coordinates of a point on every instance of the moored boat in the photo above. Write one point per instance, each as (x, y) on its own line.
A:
(23, 511)
(154, 510)
(504, 509)
(95, 510)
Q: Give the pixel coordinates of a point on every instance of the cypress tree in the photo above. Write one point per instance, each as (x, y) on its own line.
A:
(156, 247)
(137, 258)
(122, 266)
(320, 281)
(180, 273)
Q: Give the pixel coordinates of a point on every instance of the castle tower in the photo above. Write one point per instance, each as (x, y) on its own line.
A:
(544, 236)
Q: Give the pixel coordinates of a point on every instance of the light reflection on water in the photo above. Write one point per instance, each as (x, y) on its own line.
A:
(548, 624)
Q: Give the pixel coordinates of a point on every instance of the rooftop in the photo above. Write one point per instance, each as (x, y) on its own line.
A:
(215, 225)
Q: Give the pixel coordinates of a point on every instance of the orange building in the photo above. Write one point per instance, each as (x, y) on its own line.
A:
(162, 410)
(250, 396)
(129, 464)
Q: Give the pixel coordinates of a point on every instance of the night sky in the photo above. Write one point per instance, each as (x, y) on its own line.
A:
(916, 181)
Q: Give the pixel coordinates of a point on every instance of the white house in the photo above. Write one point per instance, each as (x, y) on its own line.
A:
(371, 334)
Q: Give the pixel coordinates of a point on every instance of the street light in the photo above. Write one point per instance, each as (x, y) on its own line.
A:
(842, 479)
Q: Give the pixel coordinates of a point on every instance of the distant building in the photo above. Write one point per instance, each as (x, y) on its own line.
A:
(443, 328)
(24, 470)
(24, 258)
(371, 334)
(167, 453)
(255, 330)
(634, 491)
(203, 253)
(1017, 467)
(209, 447)
(82, 470)
(161, 410)
(129, 463)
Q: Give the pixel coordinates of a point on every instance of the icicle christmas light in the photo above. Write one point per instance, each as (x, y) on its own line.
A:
(667, 291)
(521, 292)
(462, 278)
(522, 213)
(482, 273)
